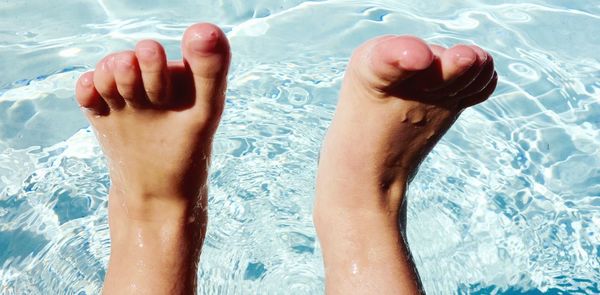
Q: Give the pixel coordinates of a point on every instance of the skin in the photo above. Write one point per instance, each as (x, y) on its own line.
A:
(155, 121)
(399, 96)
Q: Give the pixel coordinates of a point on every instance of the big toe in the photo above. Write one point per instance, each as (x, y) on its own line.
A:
(206, 51)
(391, 59)
(206, 54)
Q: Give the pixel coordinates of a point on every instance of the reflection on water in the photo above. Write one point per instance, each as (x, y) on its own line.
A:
(507, 203)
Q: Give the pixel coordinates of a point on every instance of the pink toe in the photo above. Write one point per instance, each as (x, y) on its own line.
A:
(408, 52)
(148, 50)
(202, 38)
(480, 53)
(206, 51)
(462, 55)
(104, 82)
(86, 94)
(395, 58)
(85, 90)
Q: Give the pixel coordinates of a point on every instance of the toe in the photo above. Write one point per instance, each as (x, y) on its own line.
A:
(459, 67)
(88, 97)
(481, 54)
(206, 50)
(483, 94)
(437, 50)
(482, 79)
(206, 54)
(456, 61)
(104, 82)
(393, 59)
(128, 79)
(155, 74)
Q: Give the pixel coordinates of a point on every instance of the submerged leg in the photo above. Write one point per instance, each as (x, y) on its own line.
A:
(399, 96)
(155, 121)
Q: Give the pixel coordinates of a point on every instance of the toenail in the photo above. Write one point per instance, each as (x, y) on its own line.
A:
(482, 55)
(204, 41)
(417, 57)
(463, 60)
(146, 52)
(484, 58)
(109, 63)
(123, 64)
(86, 81)
(405, 61)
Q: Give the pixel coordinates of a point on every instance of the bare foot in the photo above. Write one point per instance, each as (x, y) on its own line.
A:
(155, 121)
(398, 98)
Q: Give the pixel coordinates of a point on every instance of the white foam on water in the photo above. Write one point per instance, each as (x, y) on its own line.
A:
(507, 201)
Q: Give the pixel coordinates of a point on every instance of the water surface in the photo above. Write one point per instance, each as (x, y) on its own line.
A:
(508, 202)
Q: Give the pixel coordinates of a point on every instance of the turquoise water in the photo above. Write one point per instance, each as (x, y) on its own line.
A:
(507, 203)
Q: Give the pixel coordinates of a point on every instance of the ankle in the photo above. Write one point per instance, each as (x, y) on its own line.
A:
(176, 219)
(158, 256)
(371, 198)
(156, 207)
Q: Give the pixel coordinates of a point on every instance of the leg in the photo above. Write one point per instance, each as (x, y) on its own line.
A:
(155, 121)
(399, 97)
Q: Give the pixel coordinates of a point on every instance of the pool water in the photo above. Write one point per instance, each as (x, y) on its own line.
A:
(507, 203)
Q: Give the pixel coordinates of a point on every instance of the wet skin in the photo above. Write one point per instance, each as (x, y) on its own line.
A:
(399, 96)
(155, 121)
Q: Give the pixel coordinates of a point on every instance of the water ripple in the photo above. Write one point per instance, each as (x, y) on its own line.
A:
(506, 203)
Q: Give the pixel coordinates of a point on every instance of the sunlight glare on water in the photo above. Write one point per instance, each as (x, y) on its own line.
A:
(508, 202)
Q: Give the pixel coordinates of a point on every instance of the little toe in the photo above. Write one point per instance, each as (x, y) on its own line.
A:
(104, 82)
(482, 79)
(483, 94)
(393, 59)
(481, 54)
(206, 54)
(87, 96)
(128, 79)
(152, 61)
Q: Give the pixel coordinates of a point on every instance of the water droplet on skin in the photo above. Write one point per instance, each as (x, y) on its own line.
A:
(140, 239)
(417, 117)
(140, 265)
(431, 134)
(354, 268)
(124, 206)
(403, 117)
(133, 287)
